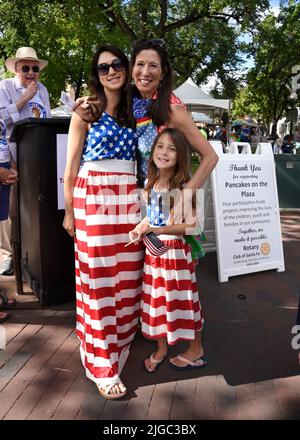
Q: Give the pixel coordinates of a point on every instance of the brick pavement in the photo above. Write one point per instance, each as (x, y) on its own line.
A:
(252, 371)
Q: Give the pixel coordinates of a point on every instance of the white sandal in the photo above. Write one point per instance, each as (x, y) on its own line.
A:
(155, 362)
(105, 392)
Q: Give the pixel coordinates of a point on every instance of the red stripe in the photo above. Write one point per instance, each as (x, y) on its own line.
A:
(167, 284)
(173, 326)
(175, 304)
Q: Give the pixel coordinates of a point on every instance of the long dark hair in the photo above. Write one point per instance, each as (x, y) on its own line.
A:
(159, 110)
(182, 168)
(98, 99)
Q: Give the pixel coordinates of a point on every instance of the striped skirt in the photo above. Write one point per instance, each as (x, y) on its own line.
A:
(170, 301)
(108, 276)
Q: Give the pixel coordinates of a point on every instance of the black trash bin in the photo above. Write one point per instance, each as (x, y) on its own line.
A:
(47, 251)
(288, 180)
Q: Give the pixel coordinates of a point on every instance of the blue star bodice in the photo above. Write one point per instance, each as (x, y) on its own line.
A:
(158, 209)
(106, 139)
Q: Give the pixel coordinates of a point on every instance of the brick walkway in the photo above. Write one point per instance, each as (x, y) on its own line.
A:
(252, 371)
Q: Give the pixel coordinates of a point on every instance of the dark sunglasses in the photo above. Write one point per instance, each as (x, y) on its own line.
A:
(103, 68)
(157, 42)
(26, 68)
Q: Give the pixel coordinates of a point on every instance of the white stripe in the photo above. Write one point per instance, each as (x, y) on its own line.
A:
(109, 165)
(173, 294)
(110, 218)
(99, 324)
(102, 240)
(112, 200)
(96, 283)
(111, 339)
(79, 193)
(124, 293)
(172, 337)
(176, 254)
(167, 274)
(97, 304)
(170, 237)
(170, 316)
(110, 261)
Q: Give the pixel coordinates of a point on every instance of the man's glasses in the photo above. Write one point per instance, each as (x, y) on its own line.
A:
(26, 68)
(103, 68)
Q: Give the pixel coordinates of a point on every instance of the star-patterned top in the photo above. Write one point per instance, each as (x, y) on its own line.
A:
(158, 208)
(145, 128)
(106, 139)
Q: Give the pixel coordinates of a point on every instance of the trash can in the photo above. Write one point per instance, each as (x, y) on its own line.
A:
(288, 180)
(47, 251)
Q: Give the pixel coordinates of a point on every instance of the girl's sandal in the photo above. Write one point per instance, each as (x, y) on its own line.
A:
(155, 362)
(105, 392)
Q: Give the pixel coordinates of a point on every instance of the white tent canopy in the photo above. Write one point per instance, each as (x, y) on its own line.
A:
(199, 101)
(201, 117)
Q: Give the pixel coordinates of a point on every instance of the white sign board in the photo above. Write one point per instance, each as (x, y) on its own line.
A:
(246, 211)
(61, 154)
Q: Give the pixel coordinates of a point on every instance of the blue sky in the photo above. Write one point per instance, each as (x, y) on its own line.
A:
(274, 6)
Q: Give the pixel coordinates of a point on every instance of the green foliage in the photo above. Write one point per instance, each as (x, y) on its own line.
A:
(202, 35)
(276, 49)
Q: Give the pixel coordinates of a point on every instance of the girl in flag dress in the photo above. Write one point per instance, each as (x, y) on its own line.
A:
(101, 207)
(170, 303)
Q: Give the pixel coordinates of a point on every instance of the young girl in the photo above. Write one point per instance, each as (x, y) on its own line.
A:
(170, 304)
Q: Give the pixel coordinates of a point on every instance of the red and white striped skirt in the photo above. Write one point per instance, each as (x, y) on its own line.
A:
(108, 276)
(170, 300)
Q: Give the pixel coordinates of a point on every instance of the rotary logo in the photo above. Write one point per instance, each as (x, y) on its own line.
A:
(265, 248)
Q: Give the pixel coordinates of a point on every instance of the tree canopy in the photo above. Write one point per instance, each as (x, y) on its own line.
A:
(202, 35)
(275, 48)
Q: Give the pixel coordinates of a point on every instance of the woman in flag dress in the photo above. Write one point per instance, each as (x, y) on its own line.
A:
(100, 209)
(154, 107)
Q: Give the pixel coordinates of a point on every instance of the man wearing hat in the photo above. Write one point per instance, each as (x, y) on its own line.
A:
(22, 96)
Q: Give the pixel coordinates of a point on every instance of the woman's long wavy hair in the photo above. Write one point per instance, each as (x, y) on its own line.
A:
(98, 99)
(159, 110)
(182, 170)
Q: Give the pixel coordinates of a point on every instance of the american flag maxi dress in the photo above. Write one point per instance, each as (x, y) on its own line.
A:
(170, 300)
(108, 275)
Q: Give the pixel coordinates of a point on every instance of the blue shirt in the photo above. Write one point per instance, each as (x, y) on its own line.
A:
(106, 139)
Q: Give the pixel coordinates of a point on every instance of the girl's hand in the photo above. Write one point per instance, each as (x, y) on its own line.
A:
(68, 223)
(134, 235)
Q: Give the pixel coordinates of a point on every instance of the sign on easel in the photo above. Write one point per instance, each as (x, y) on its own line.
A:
(246, 211)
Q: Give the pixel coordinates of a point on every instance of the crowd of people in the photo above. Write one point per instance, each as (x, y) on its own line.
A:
(131, 131)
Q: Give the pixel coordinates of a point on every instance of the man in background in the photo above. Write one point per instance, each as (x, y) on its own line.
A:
(22, 96)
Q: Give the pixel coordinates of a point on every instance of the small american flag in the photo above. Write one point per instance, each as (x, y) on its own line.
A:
(154, 245)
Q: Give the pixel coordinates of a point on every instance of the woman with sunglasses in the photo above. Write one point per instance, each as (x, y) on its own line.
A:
(155, 107)
(100, 209)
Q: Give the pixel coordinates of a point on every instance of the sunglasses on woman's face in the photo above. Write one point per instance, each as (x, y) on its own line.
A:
(26, 68)
(103, 68)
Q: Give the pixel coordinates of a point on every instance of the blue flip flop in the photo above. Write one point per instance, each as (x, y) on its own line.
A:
(190, 365)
